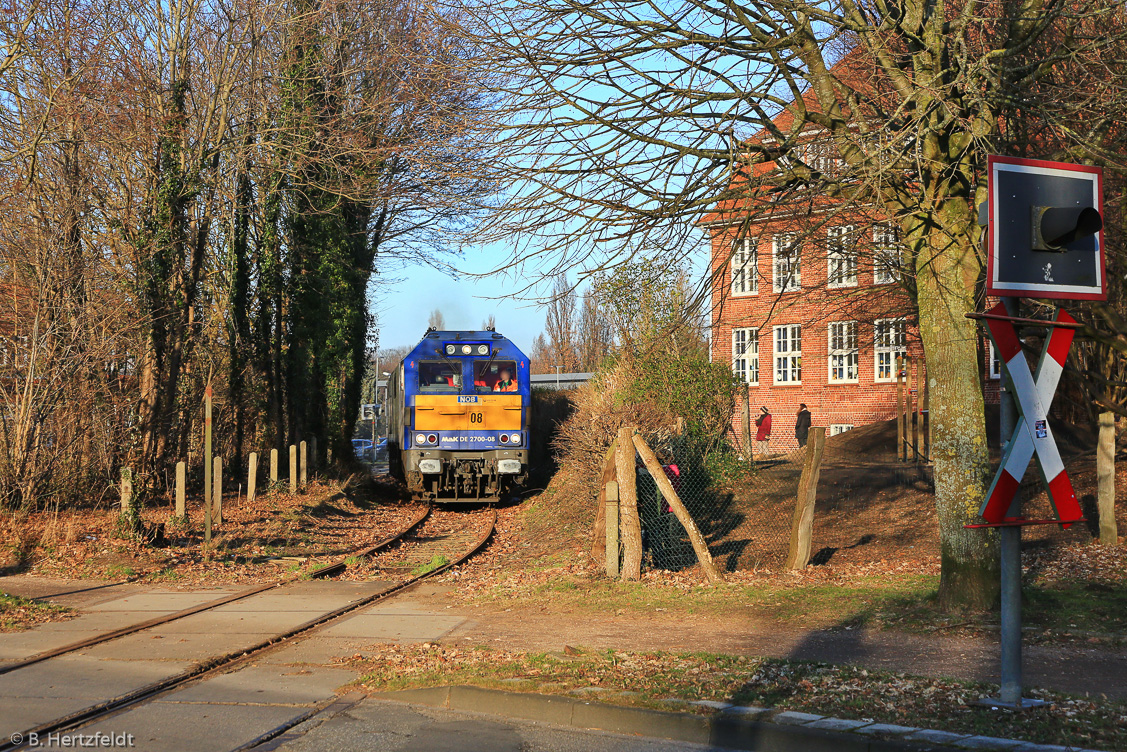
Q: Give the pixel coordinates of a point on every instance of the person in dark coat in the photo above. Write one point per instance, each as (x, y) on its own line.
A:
(802, 425)
(763, 430)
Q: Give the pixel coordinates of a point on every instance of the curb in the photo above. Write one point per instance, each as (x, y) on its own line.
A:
(734, 727)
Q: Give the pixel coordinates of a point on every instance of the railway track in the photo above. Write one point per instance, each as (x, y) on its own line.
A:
(433, 542)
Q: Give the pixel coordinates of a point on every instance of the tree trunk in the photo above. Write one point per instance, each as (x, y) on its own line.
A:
(945, 287)
(628, 507)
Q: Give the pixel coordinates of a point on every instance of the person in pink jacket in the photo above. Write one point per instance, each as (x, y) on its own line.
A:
(763, 430)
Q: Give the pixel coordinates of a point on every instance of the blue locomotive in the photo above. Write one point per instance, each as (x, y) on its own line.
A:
(458, 417)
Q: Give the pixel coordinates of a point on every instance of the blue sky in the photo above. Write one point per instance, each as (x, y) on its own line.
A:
(402, 307)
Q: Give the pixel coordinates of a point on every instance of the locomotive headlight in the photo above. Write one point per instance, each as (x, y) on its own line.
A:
(483, 349)
(420, 438)
(466, 349)
(514, 439)
(450, 349)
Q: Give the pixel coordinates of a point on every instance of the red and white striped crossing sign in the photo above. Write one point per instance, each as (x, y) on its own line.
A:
(1032, 437)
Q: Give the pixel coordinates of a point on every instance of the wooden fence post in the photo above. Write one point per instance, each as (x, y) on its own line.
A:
(598, 540)
(914, 405)
(293, 468)
(925, 415)
(802, 524)
(749, 447)
(674, 501)
(1105, 479)
(900, 454)
(628, 507)
(273, 467)
(303, 474)
(610, 491)
(217, 491)
(181, 481)
(207, 464)
(252, 476)
(126, 489)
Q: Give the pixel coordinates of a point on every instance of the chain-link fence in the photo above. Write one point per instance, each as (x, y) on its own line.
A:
(744, 505)
(872, 503)
(742, 510)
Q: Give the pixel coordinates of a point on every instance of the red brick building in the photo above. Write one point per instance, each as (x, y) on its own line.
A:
(809, 305)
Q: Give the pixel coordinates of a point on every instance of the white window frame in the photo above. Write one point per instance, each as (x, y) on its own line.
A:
(786, 262)
(787, 361)
(888, 348)
(839, 428)
(993, 362)
(745, 355)
(745, 266)
(887, 256)
(841, 257)
(842, 352)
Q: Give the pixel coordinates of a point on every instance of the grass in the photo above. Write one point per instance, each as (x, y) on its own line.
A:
(652, 679)
(436, 562)
(17, 614)
(1060, 610)
(114, 571)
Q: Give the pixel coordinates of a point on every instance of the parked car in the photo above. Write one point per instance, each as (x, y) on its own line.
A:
(362, 448)
(380, 450)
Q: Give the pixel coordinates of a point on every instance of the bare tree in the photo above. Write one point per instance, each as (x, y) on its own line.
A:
(633, 124)
(436, 320)
(596, 337)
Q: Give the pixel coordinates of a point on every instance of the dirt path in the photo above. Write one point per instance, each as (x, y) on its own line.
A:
(1075, 668)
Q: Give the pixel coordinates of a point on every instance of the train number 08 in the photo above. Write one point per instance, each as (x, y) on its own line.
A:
(476, 418)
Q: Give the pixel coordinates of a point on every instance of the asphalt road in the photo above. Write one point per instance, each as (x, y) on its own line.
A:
(382, 726)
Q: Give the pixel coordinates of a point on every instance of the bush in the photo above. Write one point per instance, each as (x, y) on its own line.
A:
(649, 391)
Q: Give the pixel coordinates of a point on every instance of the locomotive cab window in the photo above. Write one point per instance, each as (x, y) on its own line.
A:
(495, 376)
(439, 376)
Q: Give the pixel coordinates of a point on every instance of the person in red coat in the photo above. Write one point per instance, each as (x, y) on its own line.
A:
(763, 430)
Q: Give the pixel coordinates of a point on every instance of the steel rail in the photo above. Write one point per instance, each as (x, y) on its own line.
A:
(328, 570)
(234, 659)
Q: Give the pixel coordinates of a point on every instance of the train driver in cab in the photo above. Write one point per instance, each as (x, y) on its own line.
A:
(506, 383)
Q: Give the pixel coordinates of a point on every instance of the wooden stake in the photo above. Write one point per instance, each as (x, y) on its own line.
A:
(925, 415)
(900, 454)
(610, 492)
(598, 540)
(293, 468)
(217, 492)
(749, 449)
(628, 507)
(1105, 479)
(674, 501)
(802, 524)
(207, 464)
(252, 476)
(303, 479)
(273, 467)
(914, 403)
(126, 489)
(181, 481)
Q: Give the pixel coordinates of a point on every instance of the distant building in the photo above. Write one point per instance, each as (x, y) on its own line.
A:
(807, 303)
